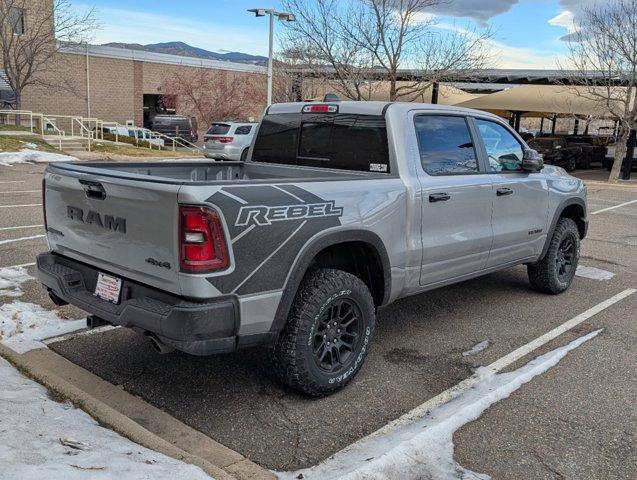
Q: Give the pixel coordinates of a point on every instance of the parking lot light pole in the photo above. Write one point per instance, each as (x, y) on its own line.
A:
(283, 16)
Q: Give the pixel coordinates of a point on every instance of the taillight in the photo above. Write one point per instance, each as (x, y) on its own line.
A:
(224, 139)
(201, 240)
(44, 203)
(206, 138)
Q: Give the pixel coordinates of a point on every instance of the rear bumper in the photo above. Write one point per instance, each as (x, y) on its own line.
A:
(192, 327)
(227, 152)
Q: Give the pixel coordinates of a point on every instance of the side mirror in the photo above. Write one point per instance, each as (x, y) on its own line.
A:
(532, 161)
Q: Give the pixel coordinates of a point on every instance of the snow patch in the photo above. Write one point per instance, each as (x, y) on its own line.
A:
(593, 273)
(38, 435)
(24, 325)
(29, 145)
(424, 448)
(10, 280)
(32, 156)
(477, 348)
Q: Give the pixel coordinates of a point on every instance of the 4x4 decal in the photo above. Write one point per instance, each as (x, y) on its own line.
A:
(264, 215)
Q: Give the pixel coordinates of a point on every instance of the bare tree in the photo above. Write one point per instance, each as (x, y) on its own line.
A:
(319, 43)
(27, 45)
(393, 41)
(211, 96)
(603, 54)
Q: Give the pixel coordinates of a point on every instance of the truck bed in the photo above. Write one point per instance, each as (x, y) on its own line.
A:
(209, 172)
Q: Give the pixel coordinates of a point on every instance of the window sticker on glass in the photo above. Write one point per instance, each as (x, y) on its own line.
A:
(378, 167)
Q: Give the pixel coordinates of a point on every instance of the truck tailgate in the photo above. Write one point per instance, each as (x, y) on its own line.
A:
(125, 227)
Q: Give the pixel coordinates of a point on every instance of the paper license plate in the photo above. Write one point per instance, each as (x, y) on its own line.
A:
(108, 288)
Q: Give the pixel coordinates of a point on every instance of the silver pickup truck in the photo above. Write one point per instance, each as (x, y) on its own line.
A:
(340, 208)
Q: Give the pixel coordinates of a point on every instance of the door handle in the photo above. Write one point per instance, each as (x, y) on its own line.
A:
(439, 197)
(504, 191)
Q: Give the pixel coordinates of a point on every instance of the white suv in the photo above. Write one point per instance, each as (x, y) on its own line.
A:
(228, 140)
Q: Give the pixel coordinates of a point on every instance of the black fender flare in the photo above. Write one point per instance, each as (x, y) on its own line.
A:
(308, 253)
(556, 216)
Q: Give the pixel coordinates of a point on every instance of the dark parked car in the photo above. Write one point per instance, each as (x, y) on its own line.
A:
(593, 148)
(557, 151)
(176, 126)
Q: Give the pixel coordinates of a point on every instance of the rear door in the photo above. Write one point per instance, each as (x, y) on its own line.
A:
(124, 227)
(456, 210)
(520, 198)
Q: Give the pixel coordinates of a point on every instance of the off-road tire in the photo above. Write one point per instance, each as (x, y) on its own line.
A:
(294, 358)
(544, 275)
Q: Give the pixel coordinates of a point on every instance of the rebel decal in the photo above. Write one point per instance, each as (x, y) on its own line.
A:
(263, 215)
(267, 226)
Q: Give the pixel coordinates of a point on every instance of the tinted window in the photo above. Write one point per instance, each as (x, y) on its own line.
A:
(504, 151)
(277, 139)
(350, 142)
(445, 145)
(243, 130)
(218, 129)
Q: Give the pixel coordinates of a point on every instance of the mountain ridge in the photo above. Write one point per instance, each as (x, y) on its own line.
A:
(185, 50)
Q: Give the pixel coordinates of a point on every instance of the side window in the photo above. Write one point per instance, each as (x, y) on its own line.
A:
(445, 145)
(243, 130)
(504, 151)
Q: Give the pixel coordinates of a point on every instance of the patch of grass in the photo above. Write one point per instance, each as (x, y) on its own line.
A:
(17, 128)
(136, 152)
(15, 144)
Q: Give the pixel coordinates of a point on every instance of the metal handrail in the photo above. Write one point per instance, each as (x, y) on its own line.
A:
(89, 133)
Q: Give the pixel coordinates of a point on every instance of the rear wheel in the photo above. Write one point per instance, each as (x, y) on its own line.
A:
(571, 164)
(244, 155)
(555, 272)
(328, 333)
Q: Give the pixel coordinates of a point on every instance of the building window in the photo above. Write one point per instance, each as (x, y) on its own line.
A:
(16, 16)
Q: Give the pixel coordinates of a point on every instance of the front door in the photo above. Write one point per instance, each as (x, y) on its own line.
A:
(456, 208)
(520, 199)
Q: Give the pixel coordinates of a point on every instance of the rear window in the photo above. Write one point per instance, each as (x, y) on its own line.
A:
(341, 141)
(218, 129)
(243, 130)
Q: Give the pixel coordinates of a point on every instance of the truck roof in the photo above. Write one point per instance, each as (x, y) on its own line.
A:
(376, 108)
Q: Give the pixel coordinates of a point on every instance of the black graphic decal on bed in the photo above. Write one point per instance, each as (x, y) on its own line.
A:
(268, 225)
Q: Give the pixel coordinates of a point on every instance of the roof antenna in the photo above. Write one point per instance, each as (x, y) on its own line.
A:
(331, 97)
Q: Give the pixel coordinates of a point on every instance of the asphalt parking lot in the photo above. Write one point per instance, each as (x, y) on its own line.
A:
(578, 420)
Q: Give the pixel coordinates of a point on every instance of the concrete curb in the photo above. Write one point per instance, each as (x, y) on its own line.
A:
(34, 364)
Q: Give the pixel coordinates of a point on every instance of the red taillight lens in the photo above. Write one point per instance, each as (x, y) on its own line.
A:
(224, 139)
(201, 240)
(44, 203)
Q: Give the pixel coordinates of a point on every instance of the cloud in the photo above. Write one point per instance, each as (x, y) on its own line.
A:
(479, 11)
(565, 19)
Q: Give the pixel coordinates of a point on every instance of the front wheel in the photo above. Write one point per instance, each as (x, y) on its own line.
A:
(328, 333)
(555, 272)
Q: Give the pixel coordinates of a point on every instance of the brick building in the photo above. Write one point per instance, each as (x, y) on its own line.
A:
(113, 84)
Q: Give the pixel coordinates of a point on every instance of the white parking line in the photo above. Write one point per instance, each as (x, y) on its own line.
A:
(27, 205)
(22, 265)
(81, 333)
(613, 208)
(422, 410)
(21, 191)
(13, 240)
(13, 181)
(20, 227)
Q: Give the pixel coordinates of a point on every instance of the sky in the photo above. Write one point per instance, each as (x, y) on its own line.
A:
(526, 34)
